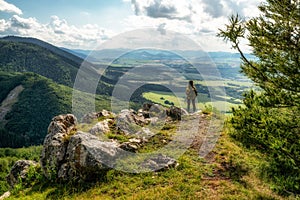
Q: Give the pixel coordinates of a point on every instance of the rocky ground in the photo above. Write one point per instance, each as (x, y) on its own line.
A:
(84, 150)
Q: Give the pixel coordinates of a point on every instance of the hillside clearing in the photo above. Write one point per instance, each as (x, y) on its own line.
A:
(9, 101)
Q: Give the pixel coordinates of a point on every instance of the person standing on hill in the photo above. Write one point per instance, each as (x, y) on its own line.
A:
(191, 94)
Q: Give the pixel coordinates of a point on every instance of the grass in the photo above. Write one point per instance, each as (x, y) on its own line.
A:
(179, 101)
(225, 83)
(228, 172)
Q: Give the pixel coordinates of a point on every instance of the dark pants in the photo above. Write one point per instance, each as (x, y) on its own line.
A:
(189, 103)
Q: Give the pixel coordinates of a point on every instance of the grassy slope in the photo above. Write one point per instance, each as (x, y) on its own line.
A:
(228, 172)
(203, 100)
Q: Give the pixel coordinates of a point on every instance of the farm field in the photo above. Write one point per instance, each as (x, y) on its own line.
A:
(222, 104)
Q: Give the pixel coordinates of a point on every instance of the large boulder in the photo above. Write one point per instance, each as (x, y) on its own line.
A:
(71, 155)
(87, 157)
(19, 171)
(56, 143)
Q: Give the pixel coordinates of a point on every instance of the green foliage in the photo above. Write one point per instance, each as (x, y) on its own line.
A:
(9, 156)
(37, 104)
(25, 57)
(276, 133)
(269, 121)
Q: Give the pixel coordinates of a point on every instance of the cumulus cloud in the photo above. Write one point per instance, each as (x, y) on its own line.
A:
(10, 8)
(193, 9)
(170, 9)
(198, 19)
(57, 31)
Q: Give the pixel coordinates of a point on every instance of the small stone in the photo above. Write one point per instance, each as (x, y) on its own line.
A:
(19, 169)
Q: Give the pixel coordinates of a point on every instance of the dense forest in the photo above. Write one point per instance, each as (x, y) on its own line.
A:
(42, 99)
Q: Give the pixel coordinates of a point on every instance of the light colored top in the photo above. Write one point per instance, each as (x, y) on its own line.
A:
(190, 92)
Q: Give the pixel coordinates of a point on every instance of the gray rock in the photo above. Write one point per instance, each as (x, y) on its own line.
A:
(90, 117)
(101, 127)
(144, 133)
(159, 162)
(19, 170)
(129, 122)
(56, 142)
(87, 157)
(151, 110)
(69, 156)
(129, 146)
(176, 113)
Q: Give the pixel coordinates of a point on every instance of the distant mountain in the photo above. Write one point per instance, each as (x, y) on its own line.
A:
(77, 52)
(58, 51)
(109, 54)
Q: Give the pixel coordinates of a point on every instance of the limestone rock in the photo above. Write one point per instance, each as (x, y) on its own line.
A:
(56, 142)
(101, 127)
(129, 122)
(19, 169)
(159, 162)
(129, 146)
(5, 195)
(90, 117)
(87, 157)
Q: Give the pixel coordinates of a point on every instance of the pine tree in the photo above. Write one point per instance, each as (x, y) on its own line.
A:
(270, 120)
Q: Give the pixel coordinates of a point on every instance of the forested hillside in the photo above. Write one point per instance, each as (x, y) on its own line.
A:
(25, 57)
(47, 75)
(26, 123)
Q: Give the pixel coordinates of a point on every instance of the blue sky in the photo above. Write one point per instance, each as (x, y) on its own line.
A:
(80, 24)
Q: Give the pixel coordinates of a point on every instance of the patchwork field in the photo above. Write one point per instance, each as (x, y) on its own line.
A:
(224, 103)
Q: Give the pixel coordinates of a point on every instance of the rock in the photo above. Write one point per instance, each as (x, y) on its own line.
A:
(144, 133)
(56, 142)
(89, 118)
(133, 144)
(129, 122)
(151, 110)
(135, 140)
(5, 195)
(101, 127)
(159, 162)
(129, 146)
(175, 113)
(19, 169)
(87, 157)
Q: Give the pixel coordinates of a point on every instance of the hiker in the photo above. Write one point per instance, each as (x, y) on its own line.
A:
(191, 94)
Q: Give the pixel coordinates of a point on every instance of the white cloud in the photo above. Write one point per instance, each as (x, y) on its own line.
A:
(198, 19)
(10, 8)
(170, 9)
(57, 32)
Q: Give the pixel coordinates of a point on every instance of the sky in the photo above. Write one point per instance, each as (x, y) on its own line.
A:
(79, 24)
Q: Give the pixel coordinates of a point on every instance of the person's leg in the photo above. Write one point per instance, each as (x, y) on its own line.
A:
(188, 105)
(194, 105)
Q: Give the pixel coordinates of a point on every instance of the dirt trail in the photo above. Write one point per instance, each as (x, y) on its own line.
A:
(9, 101)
